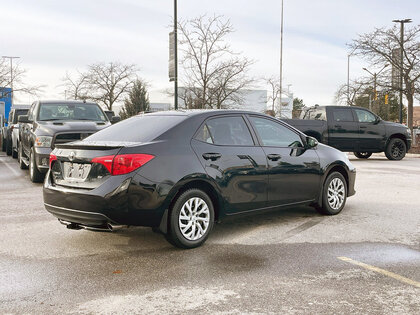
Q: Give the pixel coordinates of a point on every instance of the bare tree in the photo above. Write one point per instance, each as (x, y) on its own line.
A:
(345, 96)
(19, 84)
(76, 88)
(274, 92)
(214, 74)
(377, 48)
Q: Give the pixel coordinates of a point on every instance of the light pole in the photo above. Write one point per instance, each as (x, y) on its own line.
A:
(348, 75)
(401, 62)
(11, 73)
(176, 53)
(281, 57)
(375, 76)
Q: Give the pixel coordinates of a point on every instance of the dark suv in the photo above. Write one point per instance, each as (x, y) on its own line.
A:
(51, 122)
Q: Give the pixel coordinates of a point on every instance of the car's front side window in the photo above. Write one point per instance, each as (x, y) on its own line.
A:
(231, 130)
(364, 116)
(274, 134)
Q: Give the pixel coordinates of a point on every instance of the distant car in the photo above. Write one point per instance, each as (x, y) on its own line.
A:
(49, 123)
(180, 171)
(354, 129)
(12, 136)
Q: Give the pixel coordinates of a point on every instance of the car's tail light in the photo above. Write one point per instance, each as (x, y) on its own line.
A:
(123, 163)
(105, 161)
(52, 159)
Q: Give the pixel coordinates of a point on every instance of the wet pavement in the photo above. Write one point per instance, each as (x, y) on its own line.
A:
(291, 261)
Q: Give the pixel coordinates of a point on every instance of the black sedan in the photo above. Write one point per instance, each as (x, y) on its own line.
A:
(180, 171)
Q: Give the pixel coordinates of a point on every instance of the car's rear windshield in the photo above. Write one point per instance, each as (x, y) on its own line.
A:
(144, 128)
(64, 111)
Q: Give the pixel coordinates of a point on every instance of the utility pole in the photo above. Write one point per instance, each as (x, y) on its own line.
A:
(375, 92)
(176, 53)
(281, 58)
(401, 62)
(11, 72)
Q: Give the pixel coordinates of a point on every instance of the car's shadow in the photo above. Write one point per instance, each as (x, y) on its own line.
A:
(291, 221)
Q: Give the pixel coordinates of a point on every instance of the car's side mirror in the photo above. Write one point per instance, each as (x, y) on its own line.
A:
(24, 119)
(115, 119)
(377, 120)
(311, 142)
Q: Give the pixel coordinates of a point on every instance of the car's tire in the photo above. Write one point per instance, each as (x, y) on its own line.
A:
(396, 149)
(334, 194)
(8, 147)
(3, 144)
(22, 164)
(14, 153)
(363, 155)
(34, 174)
(191, 219)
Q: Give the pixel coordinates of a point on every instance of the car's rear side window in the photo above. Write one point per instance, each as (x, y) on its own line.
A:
(343, 115)
(142, 128)
(230, 130)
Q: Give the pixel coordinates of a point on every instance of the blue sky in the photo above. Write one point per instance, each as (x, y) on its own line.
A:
(53, 37)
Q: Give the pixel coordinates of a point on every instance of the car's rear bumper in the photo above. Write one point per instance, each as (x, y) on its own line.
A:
(104, 205)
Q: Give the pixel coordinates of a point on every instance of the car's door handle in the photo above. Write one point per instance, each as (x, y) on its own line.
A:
(337, 126)
(363, 127)
(274, 157)
(212, 156)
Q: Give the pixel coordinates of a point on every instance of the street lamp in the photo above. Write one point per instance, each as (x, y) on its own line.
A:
(375, 75)
(11, 72)
(348, 75)
(281, 57)
(402, 22)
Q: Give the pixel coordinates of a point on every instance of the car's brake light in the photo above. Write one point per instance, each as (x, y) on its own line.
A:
(52, 159)
(105, 161)
(123, 163)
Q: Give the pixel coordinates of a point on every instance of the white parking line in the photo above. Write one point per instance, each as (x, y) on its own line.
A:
(11, 168)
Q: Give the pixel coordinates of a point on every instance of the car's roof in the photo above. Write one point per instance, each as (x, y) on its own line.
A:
(65, 102)
(334, 106)
(201, 112)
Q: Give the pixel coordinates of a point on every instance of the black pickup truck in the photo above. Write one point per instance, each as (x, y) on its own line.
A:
(54, 122)
(354, 129)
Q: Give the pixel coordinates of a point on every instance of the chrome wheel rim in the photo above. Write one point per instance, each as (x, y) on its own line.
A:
(194, 219)
(336, 193)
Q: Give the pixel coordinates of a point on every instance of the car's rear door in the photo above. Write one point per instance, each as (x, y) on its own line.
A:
(343, 129)
(294, 172)
(228, 152)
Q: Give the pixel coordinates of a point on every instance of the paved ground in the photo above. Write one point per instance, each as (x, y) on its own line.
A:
(365, 260)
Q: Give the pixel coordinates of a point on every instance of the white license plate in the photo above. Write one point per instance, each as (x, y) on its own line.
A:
(76, 171)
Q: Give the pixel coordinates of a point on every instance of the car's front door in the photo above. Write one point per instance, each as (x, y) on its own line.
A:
(294, 172)
(343, 130)
(371, 131)
(227, 151)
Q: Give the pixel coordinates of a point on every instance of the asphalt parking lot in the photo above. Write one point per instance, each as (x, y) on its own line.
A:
(365, 260)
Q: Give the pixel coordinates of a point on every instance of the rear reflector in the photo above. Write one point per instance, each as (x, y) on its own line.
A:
(123, 163)
(52, 159)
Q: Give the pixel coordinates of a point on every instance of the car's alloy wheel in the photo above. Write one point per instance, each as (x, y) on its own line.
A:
(336, 193)
(396, 149)
(191, 219)
(194, 219)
